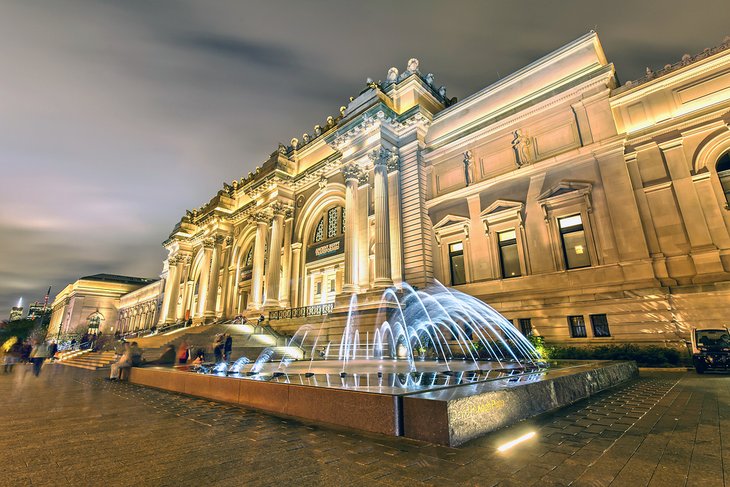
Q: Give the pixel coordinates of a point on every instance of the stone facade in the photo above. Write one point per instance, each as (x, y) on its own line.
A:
(91, 304)
(584, 210)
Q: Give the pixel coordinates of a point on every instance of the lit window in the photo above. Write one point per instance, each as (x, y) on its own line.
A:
(575, 249)
(319, 232)
(525, 326)
(318, 288)
(508, 255)
(577, 326)
(332, 222)
(456, 261)
(723, 172)
(248, 261)
(599, 323)
(332, 285)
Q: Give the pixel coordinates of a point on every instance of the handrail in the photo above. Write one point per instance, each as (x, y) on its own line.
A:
(302, 312)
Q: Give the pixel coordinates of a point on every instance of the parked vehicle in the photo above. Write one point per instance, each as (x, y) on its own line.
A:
(710, 348)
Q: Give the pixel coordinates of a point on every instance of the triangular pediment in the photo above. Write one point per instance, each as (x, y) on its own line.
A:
(500, 206)
(451, 220)
(566, 187)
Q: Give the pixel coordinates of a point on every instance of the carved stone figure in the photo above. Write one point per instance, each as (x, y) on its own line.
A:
(413, 65)
(392, 75)
(282, 149)
(469, 168)
(322, 182)
(429, 79)
(330, 121)
(442, 91)
(521, 146)
(317, 130)
(305, 138)
(294, 143)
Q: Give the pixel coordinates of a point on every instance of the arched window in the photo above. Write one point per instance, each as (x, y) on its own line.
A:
(94, 322)
(723, 172)
(331, 225)
(248, 261)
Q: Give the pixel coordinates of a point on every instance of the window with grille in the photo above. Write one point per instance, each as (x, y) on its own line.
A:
(343, 221)
(577, 326)
(332, 221)
(599, 323)
(248, 261)
(319, 232)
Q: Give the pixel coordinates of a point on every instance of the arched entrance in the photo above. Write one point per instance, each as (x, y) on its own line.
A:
(324, 255)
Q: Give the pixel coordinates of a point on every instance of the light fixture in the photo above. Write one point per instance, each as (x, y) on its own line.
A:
(516, 441)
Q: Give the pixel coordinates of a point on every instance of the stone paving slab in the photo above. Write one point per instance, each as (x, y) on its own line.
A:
(69, 427)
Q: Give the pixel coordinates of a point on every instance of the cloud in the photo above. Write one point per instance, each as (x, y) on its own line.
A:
(259, 54)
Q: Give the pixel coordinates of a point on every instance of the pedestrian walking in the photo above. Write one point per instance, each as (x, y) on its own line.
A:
(38, 355)
(227, 347)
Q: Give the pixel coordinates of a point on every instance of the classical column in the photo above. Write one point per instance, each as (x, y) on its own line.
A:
(351, 172)
(394, 217)
(296, 257)
(184, 271)
(168, 313)
(363, 231)
(225, 281)
(257, 277)
(273, 272)
(382, 223)
(286, 263)
(204, 276)
(211, 296)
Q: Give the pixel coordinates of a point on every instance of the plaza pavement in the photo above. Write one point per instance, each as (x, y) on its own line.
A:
(69, 427)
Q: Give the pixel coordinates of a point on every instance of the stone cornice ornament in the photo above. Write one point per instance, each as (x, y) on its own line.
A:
(208, 243)
(393, 161)
(260, 217)
(351, 171)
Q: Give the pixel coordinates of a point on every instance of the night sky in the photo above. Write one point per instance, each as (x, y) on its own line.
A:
(116, 116)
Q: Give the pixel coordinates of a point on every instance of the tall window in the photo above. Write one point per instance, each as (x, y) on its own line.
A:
(525, 326)
(248, 261)
(573, 236)
(599, 323)
(723, 172)
(456, 262)
(319, 232)
(577, 326)
(332, 220)
(508, 255)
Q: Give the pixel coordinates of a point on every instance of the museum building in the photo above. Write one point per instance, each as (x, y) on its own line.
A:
(583, 209)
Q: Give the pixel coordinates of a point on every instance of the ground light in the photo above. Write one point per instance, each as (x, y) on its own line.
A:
(516, 441)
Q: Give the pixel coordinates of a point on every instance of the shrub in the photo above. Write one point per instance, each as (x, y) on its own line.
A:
(645, 356)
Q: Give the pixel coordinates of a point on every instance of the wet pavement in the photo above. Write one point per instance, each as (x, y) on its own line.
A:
(69, 427)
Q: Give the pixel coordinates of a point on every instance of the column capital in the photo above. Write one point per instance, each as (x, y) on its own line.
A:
(208, 243)
(280, 209)
(260, 217)
(351, 172)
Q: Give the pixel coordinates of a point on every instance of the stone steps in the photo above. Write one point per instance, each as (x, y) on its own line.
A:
(89, 360)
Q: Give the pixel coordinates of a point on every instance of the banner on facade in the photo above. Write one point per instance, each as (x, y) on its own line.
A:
(326, 249)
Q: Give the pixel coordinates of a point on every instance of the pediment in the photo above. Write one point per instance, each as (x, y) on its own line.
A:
(501, 206)
(564, 188)
(451, 221)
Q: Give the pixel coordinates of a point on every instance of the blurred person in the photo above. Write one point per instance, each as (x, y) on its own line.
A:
(124, 362)
(52, 349)
(227, 347)
(183, 353)
(167, 358)
(13, 355)
(136, 355)
(38, 355)
(218, 348)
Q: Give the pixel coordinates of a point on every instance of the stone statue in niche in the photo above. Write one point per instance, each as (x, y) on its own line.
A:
(469, 168)
(521, 146)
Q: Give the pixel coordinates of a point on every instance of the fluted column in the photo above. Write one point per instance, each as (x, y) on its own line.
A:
(211, 296)
(296, 257)
(169, 286)
(204, 276)
(273, 272)
(351, 173)
(382, 222)
(257, 276)
(184, 270)
(225, 281)
(284, 293)
(175, 290)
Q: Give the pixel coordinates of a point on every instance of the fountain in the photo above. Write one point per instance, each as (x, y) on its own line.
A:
(433, 364)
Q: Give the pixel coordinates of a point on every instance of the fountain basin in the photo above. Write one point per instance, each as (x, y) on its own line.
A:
(441, 406)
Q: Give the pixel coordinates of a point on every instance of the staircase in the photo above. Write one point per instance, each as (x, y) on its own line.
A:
(86, 359)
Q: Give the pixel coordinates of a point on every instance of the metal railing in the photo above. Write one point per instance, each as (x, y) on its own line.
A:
(302, 312)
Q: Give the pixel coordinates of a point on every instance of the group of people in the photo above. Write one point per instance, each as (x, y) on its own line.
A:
(33, 351)
(128, 355)
(222, 346)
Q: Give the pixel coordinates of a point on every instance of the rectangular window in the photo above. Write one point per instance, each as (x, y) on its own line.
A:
(332, 285)
(525, 326)
(577, 326)
(318, 288)
(599, 323)
(575, 249)
(508, 255)
(456, 262)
